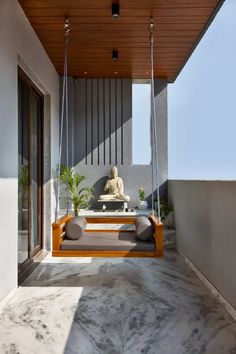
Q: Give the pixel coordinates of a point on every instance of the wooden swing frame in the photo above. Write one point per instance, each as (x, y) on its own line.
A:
(58, 234)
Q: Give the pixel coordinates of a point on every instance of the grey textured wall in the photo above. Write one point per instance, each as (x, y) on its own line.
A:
(100, 134)
(205, 222)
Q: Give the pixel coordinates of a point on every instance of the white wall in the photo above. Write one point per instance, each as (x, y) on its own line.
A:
(17, 38)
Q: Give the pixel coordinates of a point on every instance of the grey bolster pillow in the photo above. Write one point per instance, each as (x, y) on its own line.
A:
(75, 227)
(144, 228)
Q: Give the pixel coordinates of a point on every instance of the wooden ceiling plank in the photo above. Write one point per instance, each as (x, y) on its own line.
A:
(90, 12)
(80, 27)
(101, 4)
(119, 42)
(116, 34)
(123, 20)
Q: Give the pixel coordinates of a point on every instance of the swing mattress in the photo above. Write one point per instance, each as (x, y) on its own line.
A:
(108, 241)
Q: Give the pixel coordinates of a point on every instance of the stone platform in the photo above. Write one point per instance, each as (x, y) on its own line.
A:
(113, 213)
(108, 213)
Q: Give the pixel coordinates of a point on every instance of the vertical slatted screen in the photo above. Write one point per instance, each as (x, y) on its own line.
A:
(102, 121)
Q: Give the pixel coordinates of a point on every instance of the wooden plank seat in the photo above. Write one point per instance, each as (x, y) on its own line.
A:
(103, 243)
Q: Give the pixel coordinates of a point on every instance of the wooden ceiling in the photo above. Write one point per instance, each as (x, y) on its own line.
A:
(179, 25)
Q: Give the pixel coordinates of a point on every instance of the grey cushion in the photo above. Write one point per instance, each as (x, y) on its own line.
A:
(144, 228)
(109, 241)
(75, 227)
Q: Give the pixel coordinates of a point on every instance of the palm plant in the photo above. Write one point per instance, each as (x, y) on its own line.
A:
(78, 196)
(24, 182)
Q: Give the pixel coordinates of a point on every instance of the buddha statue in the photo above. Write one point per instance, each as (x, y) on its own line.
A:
(114, 188)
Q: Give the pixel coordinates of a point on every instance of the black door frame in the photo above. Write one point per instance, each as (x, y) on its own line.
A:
(26, 267)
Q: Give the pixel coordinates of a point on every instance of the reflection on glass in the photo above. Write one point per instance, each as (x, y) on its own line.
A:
(23, 174)
(29, 173)
(34, 172)
(23, 203)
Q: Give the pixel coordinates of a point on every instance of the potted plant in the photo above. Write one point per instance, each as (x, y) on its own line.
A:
(167, 215)
(142, 205)
(79, 197)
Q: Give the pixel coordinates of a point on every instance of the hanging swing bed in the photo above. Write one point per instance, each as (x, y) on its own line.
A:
(145, 236)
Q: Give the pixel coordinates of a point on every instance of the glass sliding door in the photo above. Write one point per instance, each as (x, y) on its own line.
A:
(23, 172)
(30, 122)
(35, 171)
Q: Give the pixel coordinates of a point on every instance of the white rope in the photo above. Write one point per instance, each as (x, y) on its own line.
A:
(154, 162)
(152, 152)
(67, 139)
(64, 93)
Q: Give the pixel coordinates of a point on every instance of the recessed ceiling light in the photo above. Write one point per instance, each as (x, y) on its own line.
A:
(115, 55)
(115, 9)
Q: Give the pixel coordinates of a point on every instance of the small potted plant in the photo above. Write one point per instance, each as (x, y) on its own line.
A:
(142, 205)
(79, 197)
(167, 215)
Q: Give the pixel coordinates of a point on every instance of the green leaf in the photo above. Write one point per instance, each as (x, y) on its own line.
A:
(79, 197)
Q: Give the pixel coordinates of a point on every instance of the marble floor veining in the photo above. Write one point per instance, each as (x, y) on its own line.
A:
(115, 306)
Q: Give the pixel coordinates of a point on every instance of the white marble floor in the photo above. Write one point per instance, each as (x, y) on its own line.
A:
(115, 306)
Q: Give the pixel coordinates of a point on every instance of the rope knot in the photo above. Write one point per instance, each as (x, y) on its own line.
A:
(67, 27)
(151, 26)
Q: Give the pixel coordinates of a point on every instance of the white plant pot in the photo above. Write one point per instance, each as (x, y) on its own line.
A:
(142, 205)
